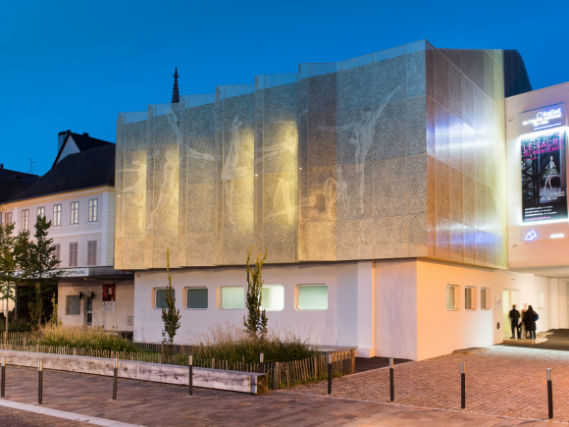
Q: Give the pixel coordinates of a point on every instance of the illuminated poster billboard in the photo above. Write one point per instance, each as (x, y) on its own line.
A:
(543, 156)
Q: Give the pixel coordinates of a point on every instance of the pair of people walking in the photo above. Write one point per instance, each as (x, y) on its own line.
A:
(528, 318)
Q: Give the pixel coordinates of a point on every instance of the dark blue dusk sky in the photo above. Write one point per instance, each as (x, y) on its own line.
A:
(76, 64)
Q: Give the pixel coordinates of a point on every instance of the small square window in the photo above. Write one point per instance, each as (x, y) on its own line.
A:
(196, 298)
(312, 297)
(233, 298)
(41, 211)
(486, 299)
(452, 293)
(272, 297)
(160, 298)
(470, 298)
(73, 305)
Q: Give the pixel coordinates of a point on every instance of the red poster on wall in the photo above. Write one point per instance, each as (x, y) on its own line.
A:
(109, 296)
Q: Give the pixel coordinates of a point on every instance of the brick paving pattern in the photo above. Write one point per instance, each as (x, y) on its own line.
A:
(161, 405)
(508, 381)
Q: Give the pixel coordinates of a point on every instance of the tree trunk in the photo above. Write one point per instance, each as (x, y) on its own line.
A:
(7, 317)
(15, 302)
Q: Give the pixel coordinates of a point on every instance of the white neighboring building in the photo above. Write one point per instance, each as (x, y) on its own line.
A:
(77, 196)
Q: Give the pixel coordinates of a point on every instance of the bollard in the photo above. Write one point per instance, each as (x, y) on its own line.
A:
(549, 393)
(329, 374)
(116, 374)
(462, 387)
(261, 364)
(391, 385)
(40, 382)
(3, 379)
(191, 378)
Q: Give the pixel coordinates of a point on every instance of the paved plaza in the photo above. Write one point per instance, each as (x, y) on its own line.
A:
(492, 390)
(509, 381)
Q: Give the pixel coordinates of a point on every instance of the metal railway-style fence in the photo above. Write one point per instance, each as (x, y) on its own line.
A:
(281, 374)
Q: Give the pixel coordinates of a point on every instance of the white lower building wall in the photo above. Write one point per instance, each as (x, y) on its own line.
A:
(400, 305)
(335, 326)
(441, 331)
(124, 305)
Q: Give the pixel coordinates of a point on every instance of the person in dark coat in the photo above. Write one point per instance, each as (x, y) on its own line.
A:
(514, 320)
(529, 321)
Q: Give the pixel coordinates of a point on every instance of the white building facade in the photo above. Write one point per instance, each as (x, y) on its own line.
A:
(77, 195)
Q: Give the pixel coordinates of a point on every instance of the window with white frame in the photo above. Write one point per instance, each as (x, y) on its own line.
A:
(73, 304)
(470, 298)
(40, 212)
(8, 218)
(89, 311)
(57, 254)
(486, 299)
(196, 298)
(540, 300)
(74, 213)
(272, 297)
(160, 298)
(92, 252)
(452, 297)
(93, 210)
(232, 298)
(56, 216)
(25, 219)
(73, 249)
(312, 297)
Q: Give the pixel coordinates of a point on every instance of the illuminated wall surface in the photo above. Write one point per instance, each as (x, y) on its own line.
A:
(396, 154)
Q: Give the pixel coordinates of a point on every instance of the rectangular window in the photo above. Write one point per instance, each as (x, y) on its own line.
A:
(232, 298)
(540, 300)
(74, 213)
(73, 305)
(73, 249)
(451, 297)
(196, 298)
(160, 298)
(93, 210)
(272, 297)
(312, 297)
(486, 299)
(8, 218)
(56, 216)
(26, 219)
(92, 252)
(57, 254)
(41, 212)
(89, 311)
(470, 298)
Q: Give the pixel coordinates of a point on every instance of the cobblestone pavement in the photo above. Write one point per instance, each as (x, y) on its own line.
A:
(509, 381)
(12, 417)
(160, 405)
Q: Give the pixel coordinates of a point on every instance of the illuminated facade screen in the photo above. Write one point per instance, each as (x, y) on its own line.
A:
(379, 157)
(543, 160)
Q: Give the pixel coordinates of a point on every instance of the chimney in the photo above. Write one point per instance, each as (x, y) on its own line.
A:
(61, 139)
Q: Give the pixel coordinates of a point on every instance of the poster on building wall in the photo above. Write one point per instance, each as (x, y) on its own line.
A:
(543, 161)
(109, 296)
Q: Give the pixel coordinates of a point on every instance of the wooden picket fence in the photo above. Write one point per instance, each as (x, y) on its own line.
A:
(280, 374)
